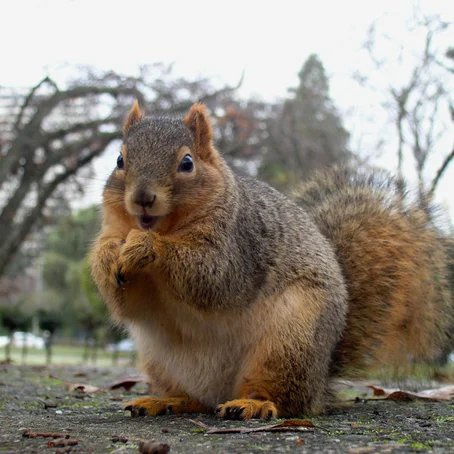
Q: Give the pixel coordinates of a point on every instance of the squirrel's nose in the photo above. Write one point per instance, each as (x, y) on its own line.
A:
(144, 199)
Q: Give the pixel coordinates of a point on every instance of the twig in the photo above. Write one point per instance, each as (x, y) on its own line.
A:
(291, 425)
(440, 172)
(29, 97)
(29, 434)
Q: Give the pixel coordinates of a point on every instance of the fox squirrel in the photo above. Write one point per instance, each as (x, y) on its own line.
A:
(245, 302)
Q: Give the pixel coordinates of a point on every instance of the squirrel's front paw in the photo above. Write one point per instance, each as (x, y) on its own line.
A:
(247, 409)
(154, 406)
(105, 262)
(135, 255)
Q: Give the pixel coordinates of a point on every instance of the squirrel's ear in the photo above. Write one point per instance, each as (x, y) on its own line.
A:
(198, 121)
(135, 115)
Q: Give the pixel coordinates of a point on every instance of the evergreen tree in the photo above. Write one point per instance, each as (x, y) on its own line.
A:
(66, 274)
(307, 133)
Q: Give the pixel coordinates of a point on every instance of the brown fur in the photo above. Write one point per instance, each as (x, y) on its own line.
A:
(395, 266)
(135, 115)
(234, 295)
(198, 122)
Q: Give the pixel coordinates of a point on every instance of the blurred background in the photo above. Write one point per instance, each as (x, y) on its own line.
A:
(291, 86)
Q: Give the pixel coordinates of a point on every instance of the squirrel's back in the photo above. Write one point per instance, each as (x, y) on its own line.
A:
(394, 264)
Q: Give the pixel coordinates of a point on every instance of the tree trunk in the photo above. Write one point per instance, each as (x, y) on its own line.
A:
(86, 348)
(115, 355)
(8, 347)
(49, 342)
(24, 350)
(94, 350)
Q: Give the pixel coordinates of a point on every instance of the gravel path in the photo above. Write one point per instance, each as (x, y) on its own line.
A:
(35, 398)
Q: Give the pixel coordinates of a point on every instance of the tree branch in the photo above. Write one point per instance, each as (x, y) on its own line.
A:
(30, 136)
(440, 173)
(17, 235)
(33, 173)
(29, 97)
(80, 127)
(206, 99)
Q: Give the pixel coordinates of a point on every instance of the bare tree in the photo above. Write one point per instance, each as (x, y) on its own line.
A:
(54, 133)
(418, 95)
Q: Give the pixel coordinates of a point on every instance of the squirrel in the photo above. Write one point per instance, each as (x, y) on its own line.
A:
(246, 302)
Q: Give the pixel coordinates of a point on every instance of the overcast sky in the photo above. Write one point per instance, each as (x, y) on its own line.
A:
(220, 39)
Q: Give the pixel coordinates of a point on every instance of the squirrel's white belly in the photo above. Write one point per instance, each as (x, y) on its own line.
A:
(204, 362)
(208, 375)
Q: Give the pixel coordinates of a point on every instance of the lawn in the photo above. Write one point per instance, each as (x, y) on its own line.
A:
(66, 355)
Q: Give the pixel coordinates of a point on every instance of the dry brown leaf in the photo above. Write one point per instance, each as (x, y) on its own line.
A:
(80, 387)
(401, 395)
(126, 383)
(378, 392)
(444, 393)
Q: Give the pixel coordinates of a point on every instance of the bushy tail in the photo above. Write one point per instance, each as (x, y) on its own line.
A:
(394, 262)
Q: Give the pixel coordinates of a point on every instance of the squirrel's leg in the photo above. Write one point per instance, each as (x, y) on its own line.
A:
(287, 373)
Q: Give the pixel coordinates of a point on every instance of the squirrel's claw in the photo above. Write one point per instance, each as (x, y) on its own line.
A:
(241, 409)
(154, 406)
(136, 411)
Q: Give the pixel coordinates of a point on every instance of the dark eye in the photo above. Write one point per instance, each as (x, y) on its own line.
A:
(186, 164)
(120, 162)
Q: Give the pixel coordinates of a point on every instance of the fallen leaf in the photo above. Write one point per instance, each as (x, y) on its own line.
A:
(126, 383)
(81, 387)
(401, 395)
(378, 392)
(444, 393)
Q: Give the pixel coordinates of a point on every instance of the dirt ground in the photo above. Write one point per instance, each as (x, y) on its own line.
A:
(35, 399)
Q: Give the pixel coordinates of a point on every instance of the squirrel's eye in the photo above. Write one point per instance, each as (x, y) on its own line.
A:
(120, 162)
(186, 164)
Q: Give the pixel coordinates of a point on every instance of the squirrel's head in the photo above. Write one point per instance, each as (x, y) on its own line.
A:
(166, 166)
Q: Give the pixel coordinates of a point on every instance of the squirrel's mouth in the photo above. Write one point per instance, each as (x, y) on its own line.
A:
(147, 222)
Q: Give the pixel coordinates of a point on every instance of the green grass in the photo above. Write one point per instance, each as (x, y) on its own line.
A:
(64, 354)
